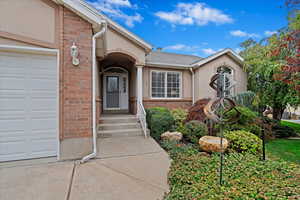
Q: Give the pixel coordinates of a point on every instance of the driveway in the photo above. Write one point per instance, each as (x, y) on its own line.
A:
(135, 173)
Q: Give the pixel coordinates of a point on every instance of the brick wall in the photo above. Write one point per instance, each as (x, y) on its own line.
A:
(171, 104)
(76, 91)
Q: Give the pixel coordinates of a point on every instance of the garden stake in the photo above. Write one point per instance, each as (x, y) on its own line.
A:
(263, 141)
(216, 108)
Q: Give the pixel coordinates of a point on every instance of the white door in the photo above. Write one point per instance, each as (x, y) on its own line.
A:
(28, 106)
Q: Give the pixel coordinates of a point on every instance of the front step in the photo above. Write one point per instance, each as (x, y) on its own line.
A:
(109, 119)
(118, 125)
(120, 133)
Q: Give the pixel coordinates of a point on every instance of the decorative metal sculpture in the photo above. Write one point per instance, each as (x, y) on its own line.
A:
(217, 108)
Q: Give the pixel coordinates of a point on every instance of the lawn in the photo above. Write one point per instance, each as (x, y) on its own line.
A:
(288, 150)
(293, 125)
(194, 176)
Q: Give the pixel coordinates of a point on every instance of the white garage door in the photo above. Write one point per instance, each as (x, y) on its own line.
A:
(28, 106)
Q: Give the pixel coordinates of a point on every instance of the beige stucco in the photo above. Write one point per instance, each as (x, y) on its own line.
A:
(186, 89)
(28, 18)
(5, 41)
(204, 73)
(117, 43)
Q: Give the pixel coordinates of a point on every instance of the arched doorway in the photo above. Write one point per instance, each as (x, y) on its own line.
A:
(115, 89)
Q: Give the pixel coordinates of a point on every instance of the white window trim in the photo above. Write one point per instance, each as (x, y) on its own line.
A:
(166, 82)
(233, 89)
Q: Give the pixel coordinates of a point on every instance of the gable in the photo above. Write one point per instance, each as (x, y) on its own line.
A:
(32, 21)
(116, 42)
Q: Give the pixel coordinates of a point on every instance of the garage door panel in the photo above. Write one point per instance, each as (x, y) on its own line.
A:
(28, 106)
(10, 83)
(13, 59)
(43, 104)
(13, 104)
(12, 125)
(43, 84)
(44, 124)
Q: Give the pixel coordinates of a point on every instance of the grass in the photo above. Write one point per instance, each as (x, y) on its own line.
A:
(194, 176)
(293, 125)
(285, 149)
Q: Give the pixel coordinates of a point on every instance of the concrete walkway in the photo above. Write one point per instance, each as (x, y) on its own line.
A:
(129, 168)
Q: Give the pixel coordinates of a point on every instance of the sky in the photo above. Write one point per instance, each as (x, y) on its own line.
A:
(200, 27)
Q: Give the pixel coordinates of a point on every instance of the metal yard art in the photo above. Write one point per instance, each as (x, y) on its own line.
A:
(218, 107)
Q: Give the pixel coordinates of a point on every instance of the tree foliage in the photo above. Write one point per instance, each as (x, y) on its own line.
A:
(273, 67)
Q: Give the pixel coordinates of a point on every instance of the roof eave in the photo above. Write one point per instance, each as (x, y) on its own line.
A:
(233, 54)
(167, 65)
(93, 16)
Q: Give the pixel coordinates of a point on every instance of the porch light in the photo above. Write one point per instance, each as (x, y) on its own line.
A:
(74, 55)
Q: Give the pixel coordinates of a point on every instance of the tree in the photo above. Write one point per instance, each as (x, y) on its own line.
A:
(273, 65)
(262, 68)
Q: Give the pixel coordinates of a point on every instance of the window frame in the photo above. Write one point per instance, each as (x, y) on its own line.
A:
(232, 79)
(166, 84)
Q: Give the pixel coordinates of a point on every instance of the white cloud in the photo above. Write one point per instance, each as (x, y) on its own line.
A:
(125, 3)
(237, 50)
(270, 33)
(239, 33)
(209, 51)
(194, 13)
(181, 47)
(113, 9)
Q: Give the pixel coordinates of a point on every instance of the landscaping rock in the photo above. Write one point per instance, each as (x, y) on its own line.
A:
(204, 154)
(176, 136)
(212, 144)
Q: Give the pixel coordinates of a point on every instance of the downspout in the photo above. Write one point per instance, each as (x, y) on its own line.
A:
(193, 84)
(100, 33)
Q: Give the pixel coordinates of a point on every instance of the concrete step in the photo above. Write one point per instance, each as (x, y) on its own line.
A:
(118, 126)
(120, 133)
(110, 119)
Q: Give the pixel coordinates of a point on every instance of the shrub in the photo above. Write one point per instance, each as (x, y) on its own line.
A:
(247, 121)
(196, 112)
(174, 148)
(179, 116)
(247, 99)
(295, 126)
(159, 121)
(243, 141)
(194, 130)
(152, 111)
(245, 177)
(282, 131)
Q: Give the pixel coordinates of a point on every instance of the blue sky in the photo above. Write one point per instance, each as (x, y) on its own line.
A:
(196, 27)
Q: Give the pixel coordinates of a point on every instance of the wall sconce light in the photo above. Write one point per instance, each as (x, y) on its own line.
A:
(74, 54)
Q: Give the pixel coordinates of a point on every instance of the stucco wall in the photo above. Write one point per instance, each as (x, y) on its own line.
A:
(29, 20)
(117, 43)
(186, 81)
(5, 41)
(205, 72)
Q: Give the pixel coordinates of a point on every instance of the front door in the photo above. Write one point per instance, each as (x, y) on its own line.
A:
(112, 92)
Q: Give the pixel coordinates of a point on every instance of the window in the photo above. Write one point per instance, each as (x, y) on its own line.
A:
(228, 76)
(165, 84)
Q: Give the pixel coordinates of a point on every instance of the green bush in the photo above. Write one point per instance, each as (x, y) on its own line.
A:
(194, 130)
(159, 121)
(243, 141)
(179, 116)
(247, 121)
(247, 99)
(174, 148)
(152, 111)
(195, 177)
(282, 131)
(295, 126)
